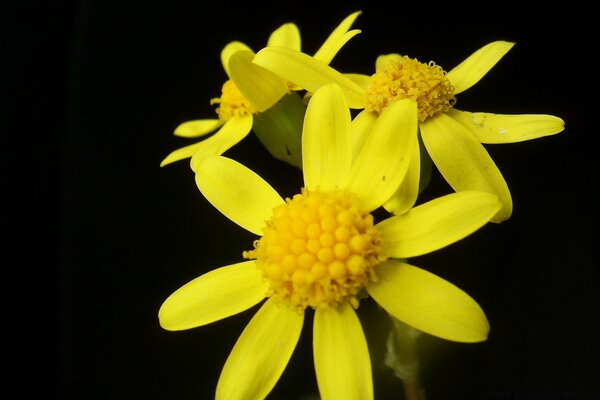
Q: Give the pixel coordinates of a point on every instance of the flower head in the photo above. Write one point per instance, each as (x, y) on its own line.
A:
(249, 91)
(320, 249)
(452, 138)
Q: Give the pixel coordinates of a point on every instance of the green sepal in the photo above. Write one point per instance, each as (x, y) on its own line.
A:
(279, 129)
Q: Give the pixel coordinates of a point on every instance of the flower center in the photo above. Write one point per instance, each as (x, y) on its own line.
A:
(319, 249)
(232, 102)
(402, 77)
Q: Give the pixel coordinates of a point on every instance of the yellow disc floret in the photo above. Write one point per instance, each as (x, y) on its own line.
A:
(401, 77)
(232, 102)
(319, 249)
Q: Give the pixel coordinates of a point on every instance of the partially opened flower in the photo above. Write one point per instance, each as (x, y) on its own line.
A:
(249, 91)
(322, 250)
(452, 138)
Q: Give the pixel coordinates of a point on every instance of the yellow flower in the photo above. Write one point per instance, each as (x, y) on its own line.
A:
(322, 249)
(453, 139)
(249, 90)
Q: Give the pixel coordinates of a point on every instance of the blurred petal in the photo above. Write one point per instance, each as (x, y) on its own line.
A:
(230, 49)
(500, 128)
(341, 355)
(261, 353)
(385, 59)
(361, 80)
(240, 194)
(361, 127)
(428, 303)
(218, 294)
(181, 153)
(385, 156)
(260, 87)
(287, 35)
(228, 136)
(308, 73)
(337, 39)
(198, 127)
(326, 140)
(474, 67)
(463, 161)
(437, 223)
(406, 195)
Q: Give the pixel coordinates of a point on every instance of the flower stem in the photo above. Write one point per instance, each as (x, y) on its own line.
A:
(402, 357)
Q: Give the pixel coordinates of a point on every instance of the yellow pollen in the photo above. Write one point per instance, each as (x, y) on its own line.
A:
(232, 102)
(319, 249)
(403, 78)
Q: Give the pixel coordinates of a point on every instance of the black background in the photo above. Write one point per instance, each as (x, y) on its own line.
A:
(99, 235)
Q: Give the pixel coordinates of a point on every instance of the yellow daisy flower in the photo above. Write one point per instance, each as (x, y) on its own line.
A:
(250, 90)
(322, 250)
(453, 139)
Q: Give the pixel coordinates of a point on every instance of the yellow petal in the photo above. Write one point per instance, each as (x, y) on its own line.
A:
(218, 294)
(474, 67)
(383, 60)
(385, 156)
(261, 353)
(406, 195)
(337, 39)
(501, 128)
(198, 127)
(361, 127)
(240, 194)
(260, 87)
(463, 161)
(308, 73)
(287, 35)
(230, 49)
(228, 136)
(437, 223)
(326, 140)
(428, 303)
(361, 80)
(341, 355)
(181, 153)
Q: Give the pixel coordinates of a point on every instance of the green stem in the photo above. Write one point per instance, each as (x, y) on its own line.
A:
(402, 357)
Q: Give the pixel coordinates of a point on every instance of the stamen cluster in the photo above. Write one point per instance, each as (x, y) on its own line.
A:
(319, 249)
(232, 102)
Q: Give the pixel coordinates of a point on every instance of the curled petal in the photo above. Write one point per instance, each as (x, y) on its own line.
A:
(287, 35)
(501, 128)
(337, 39)
(463, 161)
(261, 353)
(341, 355)
(240, 194)
(218, 294)
(428, 303)
(228, 50)
(474, 67)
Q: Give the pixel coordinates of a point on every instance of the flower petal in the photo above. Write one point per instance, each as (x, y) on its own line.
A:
(437, 223)
(341, 355)
(406, 195)
(308, 73)
(337, 39)
(385, 156)
(240, 194)
(196, 128)
(228, 50)
(261, 353)
(259, 86)
(287, 35)
(361, 127)
(463, 161)
(218, 294)
(428, 303)
(181, 153)
(326, 140)
(501, 128)
(474, 67)
(228, 136)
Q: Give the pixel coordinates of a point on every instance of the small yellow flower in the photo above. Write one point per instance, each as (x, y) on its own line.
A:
(249, 90)
(453, 139)
(322, 249)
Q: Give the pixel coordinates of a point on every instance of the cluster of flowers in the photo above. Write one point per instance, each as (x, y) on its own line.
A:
(361, 142)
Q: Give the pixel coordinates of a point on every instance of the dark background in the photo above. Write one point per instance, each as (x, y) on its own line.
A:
(99, 235)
